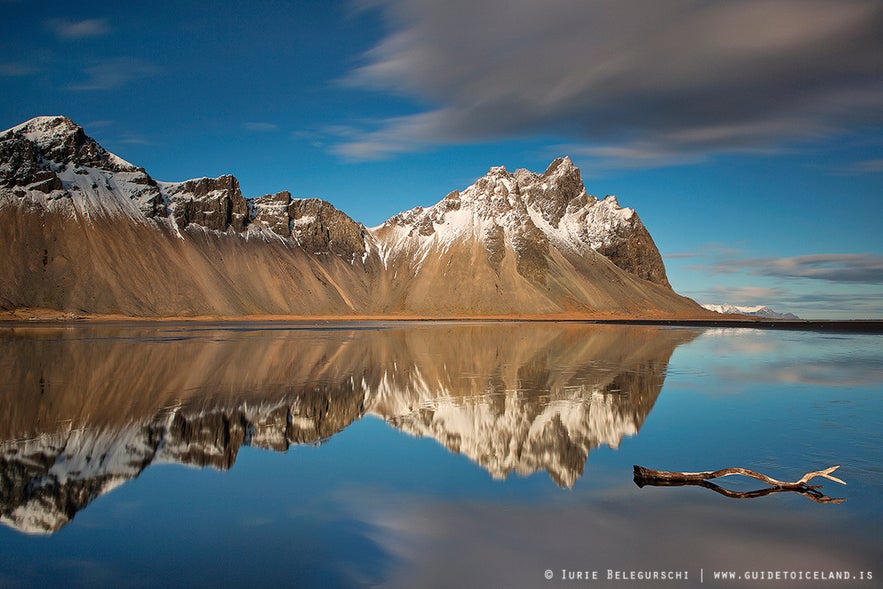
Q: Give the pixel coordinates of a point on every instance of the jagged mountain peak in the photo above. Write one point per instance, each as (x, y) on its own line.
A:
(532, 212)
(561, 169)
(46, 126)
(498, 185)
(50, 163)
(499, 192)
(59, 141)
(562, 164)
(498, 171)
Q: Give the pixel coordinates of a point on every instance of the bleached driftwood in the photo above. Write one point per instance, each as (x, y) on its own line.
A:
(648, 476)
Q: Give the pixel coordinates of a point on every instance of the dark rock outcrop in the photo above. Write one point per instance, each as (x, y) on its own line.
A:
(271, 211)
(20, 166)
(632, 249)
(213, 203)
(322, 229)
(560, 187)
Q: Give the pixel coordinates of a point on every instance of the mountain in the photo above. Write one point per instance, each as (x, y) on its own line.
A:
(89, 233)
(515, 241)
(756, 311)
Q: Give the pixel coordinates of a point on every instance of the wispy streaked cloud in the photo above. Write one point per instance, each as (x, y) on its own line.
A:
(874, 166)
(393, 136)
(850, 268)
(841, 371)
(113, 73)
(112, 135)
(717, 252)
(629, 85)
(636, 155)
(745, 295)
(867, 268)
(857, 304)
(134, 140)
(67, 29)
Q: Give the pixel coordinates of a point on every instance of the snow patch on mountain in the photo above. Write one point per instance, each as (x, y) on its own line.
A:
(752, 311)
(525, 212)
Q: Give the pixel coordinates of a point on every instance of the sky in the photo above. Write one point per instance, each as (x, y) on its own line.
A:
(748, 135)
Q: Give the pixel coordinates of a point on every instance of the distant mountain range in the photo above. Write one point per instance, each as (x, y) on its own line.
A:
(757, 311)
(86, 232)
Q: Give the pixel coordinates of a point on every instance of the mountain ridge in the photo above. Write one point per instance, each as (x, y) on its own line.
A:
(751, 311)
(96, 234)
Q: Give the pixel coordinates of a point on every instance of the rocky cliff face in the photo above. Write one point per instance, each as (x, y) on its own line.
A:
(96, 234)
(532, 213)
(271, 212)
(214, 203)
(320, 228)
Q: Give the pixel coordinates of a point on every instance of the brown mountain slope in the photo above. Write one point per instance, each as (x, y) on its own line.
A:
(114, 266)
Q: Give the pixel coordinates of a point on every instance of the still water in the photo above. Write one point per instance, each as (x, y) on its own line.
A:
(434, 455)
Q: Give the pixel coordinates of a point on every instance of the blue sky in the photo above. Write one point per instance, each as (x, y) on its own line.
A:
(748, 135)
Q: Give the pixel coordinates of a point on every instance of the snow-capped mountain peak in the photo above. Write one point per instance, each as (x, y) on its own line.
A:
(530, 213)
(51, 162)
(752, 311)
(61, 141)
(43, 128)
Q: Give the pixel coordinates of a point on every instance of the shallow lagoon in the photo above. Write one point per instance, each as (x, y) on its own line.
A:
(432, 455)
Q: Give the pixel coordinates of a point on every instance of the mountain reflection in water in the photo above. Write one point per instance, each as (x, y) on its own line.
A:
(88, 408)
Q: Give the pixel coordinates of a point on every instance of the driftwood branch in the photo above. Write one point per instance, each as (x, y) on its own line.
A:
(660, 478)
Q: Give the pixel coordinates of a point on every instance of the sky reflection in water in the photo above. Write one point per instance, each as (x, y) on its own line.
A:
(434, 455)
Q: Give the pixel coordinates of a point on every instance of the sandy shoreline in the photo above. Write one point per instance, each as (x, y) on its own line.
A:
(33, 316)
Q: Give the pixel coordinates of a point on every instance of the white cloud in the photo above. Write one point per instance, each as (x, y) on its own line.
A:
(844, 268)
(873, 166)
(743, 295)
(67, 29)
(643, 83)
(113, 73)
(866, 268)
